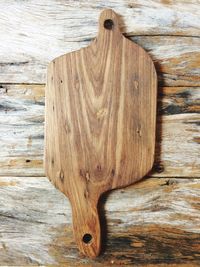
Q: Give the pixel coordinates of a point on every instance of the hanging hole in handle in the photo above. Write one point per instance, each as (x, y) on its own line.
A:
(108, 24)
(87, 238)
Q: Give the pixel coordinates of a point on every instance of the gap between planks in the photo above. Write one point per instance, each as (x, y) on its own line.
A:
(144, 178)
(43, 84)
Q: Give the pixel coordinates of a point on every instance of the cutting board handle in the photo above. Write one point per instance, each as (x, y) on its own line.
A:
(108, 25)
(86, 223)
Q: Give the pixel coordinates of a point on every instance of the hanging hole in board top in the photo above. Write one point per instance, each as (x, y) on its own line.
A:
(108, 24)
(87, 238)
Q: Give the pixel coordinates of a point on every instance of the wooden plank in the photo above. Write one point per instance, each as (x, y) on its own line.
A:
(137, 17)
(178, 128)
(22, 131)
(156, 221)
(34, 33)
(176, 60)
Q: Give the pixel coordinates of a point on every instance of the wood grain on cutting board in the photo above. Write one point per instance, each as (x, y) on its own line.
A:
(100, 122)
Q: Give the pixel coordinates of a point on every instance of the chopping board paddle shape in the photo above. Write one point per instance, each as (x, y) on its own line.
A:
(100, 119)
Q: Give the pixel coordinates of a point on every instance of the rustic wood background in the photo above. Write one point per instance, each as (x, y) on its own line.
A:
(153, 223)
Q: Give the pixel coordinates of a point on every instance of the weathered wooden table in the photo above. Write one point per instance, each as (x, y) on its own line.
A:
(155, 222)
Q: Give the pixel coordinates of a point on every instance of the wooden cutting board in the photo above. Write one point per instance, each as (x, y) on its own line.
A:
(100, 124)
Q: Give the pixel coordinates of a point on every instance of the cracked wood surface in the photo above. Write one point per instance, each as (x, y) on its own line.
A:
(22, 131)
(155, 221)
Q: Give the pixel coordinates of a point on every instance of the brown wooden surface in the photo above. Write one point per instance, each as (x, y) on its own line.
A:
(33, 215)
(100, 122)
